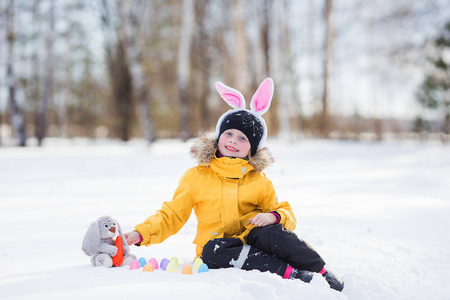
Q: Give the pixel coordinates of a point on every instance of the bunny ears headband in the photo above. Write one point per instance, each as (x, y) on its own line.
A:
(250, 122)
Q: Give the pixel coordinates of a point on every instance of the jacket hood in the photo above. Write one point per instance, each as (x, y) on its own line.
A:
(205, 146)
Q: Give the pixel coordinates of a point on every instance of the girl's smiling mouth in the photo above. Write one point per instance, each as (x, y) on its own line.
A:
(231, 148)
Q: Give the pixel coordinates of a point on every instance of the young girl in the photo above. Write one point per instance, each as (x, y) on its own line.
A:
(240, 222)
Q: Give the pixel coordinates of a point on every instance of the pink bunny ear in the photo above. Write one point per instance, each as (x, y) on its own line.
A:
(262, 97)
(233, 97)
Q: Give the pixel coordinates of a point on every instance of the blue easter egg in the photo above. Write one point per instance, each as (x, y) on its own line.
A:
(203, 268)
(163, 264)
(142, 261)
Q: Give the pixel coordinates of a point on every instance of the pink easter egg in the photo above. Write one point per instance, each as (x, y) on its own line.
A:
(154, 262)
(135, 264)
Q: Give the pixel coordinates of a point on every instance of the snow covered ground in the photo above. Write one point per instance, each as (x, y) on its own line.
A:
(379, 214)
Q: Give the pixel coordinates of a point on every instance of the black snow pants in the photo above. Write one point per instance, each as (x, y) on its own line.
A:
(269, 248)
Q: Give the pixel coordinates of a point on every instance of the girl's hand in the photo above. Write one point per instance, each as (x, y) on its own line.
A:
(263, 219)
(133, 237)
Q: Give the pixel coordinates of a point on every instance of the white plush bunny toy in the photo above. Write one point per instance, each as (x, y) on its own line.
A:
(98, 242)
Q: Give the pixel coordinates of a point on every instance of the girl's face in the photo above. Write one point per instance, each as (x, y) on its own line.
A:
(234, 143)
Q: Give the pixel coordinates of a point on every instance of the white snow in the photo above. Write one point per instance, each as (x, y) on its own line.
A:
(379, 214)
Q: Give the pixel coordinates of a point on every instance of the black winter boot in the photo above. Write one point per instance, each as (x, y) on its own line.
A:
(303, 275)
(334, 282)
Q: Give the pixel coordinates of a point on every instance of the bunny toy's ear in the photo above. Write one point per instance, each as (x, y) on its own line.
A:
(124, 240)
(262, 97)
(91, 241)
(233, 97)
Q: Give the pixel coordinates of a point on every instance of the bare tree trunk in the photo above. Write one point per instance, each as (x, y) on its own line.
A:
(290, 71)
(48, 77)
(17, 120)
(446, 123)
(122, 89)
(183, 67)
(1, 121)
(119, 72)
(266, 29)
(376, 122)
(256, 47)
(277, 61)
(312, 75)
(2, 42)
(265, 25)
(325, 118)
(201, 62)
(240, 56)
(128, 11)
(64, 121)
(35, 93)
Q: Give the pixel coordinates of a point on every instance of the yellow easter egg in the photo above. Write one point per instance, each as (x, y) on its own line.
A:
(172, 267)
(197, 263)
(175, 260)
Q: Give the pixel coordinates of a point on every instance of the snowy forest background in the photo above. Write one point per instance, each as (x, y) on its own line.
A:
(96, 81)
(146, 69)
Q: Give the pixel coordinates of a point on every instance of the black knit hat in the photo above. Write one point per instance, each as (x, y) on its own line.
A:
(248, 124)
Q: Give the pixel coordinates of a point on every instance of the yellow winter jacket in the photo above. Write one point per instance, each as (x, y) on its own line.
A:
(224, 194)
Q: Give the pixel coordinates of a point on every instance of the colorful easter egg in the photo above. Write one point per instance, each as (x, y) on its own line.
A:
(142, 261)
(118, 258)
(135, 264)
(163, 264)
(203, 268)
(154, 263)
(175, 260)
(172, 267)
(186, 270)
(197, 263)
(148, 267)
